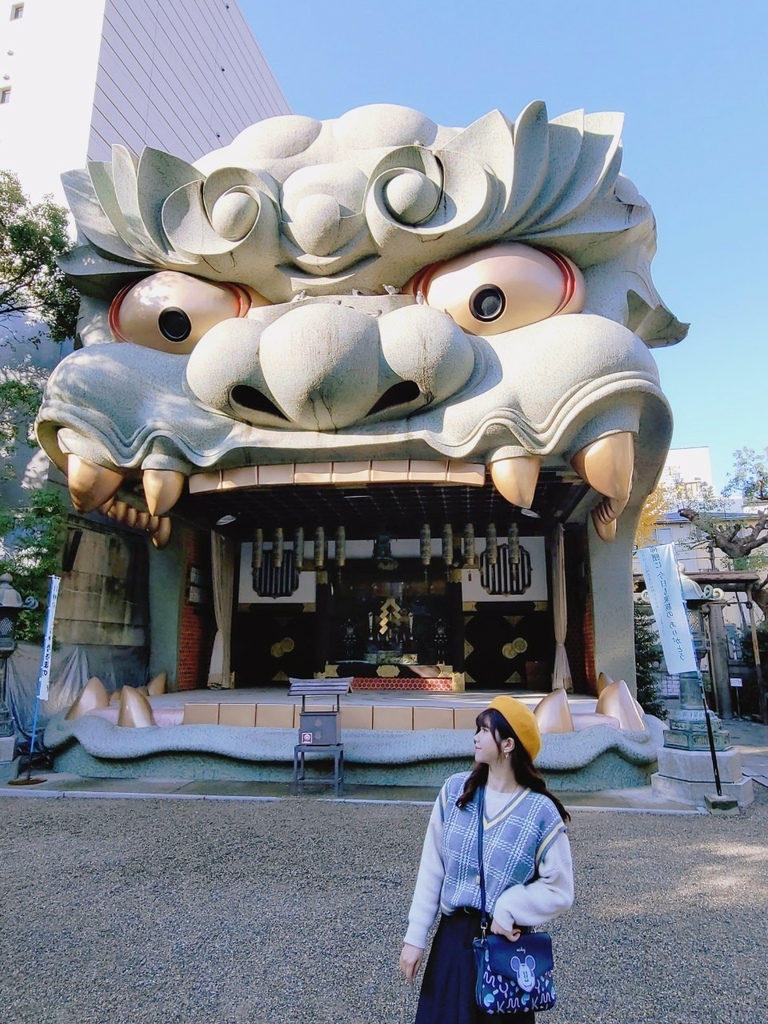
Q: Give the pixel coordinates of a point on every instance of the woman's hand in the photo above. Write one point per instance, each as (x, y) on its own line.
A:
(410, 961)
(512, 934)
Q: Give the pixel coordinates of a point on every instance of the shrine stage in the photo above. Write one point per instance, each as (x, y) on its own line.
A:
(193, 739)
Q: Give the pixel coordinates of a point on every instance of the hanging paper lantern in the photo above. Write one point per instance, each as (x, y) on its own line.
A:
(448, 544)
(470, 556)
(514, 544)
(258, 549)
(341, 546)
(425, 544)
(277, 547)
(319, 548)
(298, 548)
(491, 544)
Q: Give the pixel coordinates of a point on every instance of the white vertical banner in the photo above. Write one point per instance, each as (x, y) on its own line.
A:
(45, 664)
(665, 592)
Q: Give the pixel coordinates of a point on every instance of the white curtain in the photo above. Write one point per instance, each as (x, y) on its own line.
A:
(561, 676)
(223, 575)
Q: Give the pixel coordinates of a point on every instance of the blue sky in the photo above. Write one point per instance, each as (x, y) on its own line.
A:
(690, 75)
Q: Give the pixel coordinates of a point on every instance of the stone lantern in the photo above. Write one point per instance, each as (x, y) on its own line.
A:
(686, 759)
(11, 603)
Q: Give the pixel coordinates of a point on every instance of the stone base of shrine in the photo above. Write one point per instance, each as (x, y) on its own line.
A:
(391, 737)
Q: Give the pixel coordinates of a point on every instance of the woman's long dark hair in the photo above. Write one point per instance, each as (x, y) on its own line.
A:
(522, 765)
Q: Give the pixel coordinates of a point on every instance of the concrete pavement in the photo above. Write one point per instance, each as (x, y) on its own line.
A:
(292, 911)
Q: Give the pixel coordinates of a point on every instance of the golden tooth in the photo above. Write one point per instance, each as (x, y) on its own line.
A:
(162, 489)
(553, 713)
(104, 509)
(153, 524)
(120, 509)
(142, 520)
(605, 531)
(515, 479)
(131, 515)
(135, 710)
(163, 534)
(604, 513)
(93, 695)
(158, 685)
(90, 485)
(607, 465)
(602, 681)
(613, 507)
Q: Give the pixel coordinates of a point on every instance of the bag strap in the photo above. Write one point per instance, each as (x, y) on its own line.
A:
(480, 871)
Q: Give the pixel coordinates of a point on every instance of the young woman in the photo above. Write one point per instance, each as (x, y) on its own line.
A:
(526, 860)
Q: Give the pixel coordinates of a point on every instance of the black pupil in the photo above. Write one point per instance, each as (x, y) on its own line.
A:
(487, 303)
(174, 324)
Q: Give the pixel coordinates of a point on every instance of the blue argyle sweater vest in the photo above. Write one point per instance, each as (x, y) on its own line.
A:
(513, 844)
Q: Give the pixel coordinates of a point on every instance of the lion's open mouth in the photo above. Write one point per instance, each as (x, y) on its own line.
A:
(606, 465)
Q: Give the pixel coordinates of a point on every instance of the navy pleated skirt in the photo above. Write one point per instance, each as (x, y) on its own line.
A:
(448, 989)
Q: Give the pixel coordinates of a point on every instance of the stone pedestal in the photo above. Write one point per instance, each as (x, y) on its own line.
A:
(688, 731)
(8, 765)
(688, 776)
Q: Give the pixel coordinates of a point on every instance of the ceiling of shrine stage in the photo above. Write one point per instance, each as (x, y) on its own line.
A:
(399, 509)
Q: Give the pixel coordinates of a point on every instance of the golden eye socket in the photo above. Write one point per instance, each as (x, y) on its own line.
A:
(171, 312)
(503, 287)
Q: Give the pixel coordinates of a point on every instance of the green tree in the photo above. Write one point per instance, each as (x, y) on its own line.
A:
(659, 501)
(32, 236)
(648, 657)
(21, 391)
(743, 537)
(35, 301)
(750, 476)
(31, 551)
(35, 296)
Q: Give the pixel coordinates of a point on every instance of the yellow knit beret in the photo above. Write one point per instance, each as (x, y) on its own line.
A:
(522, 720)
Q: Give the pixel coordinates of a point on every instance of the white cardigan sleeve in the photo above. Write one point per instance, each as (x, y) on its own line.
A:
(429, 882)
(543, 899)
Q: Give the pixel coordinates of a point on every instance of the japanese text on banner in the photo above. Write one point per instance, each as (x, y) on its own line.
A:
(665, 592)
(45, 665)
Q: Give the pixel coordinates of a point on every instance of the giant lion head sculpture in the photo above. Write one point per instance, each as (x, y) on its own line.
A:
(375, 287)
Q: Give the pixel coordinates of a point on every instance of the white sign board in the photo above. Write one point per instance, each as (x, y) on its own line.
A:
(665, 592)
(45, 665)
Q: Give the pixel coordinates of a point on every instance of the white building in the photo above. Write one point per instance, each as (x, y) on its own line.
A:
(689, 472)
(185, 76)
(689, 469)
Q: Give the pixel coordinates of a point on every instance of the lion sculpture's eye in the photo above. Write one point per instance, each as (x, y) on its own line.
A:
(503, 287)
(170, 312)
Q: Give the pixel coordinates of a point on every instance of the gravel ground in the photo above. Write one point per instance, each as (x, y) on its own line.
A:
(158, 912)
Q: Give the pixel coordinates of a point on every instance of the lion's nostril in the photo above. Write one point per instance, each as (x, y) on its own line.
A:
(399, 394)
(250, 398)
